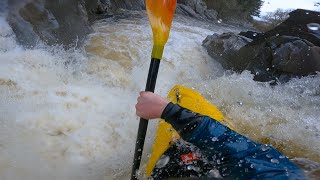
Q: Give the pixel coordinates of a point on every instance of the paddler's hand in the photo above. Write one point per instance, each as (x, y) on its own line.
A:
(150, 105)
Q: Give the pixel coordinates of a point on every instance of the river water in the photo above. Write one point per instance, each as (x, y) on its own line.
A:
(69, 114)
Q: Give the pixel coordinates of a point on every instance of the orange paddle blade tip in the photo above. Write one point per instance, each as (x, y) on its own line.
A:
(160, 13)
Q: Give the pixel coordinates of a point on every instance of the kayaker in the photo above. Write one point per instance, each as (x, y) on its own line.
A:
(238, 156)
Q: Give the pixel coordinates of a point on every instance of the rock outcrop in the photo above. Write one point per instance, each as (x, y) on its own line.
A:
(68, 22)
(289, 50)
(64, 22)
(197, 9)
(53, 22)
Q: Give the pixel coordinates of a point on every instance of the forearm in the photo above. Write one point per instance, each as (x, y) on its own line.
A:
(182, 120)
(200, 130)
(228, 148)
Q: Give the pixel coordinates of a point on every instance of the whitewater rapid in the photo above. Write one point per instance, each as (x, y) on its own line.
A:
(69, 114)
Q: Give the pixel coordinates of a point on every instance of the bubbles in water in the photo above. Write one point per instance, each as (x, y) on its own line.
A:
(219, 20)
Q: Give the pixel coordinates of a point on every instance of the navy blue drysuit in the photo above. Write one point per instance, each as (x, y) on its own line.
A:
(238, 157)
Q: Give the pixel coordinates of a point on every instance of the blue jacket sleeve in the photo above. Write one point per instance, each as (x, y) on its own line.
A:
(234, 155)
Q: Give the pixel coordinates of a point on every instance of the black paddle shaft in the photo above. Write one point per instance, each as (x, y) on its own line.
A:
(143, 125)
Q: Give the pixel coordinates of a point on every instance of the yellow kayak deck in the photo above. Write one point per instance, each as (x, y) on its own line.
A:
(166, 135)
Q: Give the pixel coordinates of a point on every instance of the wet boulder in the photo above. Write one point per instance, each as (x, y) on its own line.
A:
(64, 22)
(224, 47)
(287, 51)
(53, 22)
(110, 7)
(196, 9)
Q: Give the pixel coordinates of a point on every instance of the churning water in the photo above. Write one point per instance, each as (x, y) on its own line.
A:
(69, 114)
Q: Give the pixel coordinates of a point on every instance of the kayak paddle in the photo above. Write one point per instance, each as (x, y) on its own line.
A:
(160, 13)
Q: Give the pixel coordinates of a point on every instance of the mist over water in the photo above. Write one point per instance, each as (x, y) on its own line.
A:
(69, 114)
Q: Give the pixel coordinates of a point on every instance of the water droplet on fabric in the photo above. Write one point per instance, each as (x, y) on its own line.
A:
(163, 161)
(214, 173)
(193, 168)
(214, 139)
(275, 161)
(282, 156)
(264, 148)
(313, 26)
(269, 156)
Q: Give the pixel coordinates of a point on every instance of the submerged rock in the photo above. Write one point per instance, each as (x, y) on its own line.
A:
(289, 50)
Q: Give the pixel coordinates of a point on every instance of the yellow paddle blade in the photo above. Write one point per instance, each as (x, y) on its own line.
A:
(166, 135)
(160, 13)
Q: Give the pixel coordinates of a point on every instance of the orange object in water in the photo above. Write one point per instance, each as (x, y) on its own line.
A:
(160, 13)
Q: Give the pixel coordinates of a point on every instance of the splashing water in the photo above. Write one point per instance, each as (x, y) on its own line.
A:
(69, 114)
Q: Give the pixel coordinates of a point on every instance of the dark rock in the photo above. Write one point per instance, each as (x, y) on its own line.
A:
(287, 51)
(224, 47)
(211, 14)
(46, 20)
(128, 4)
(68, 22)
(251, 34)
(60, 22)
(196, 9)
(296, 25)
(187, 11)
(295, 56)
(110, 7)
